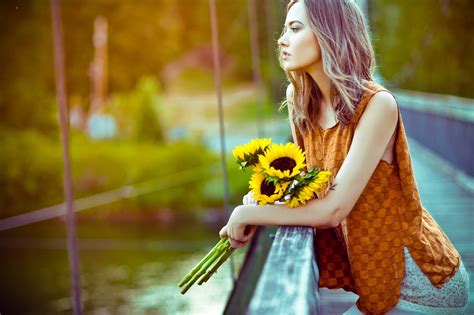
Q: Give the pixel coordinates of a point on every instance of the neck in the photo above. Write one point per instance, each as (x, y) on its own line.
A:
(322, 80)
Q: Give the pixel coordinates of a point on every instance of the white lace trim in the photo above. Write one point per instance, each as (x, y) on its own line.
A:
(418, 290)
(403, 305)
(419, 296)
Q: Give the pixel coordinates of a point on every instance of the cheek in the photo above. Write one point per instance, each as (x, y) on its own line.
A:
(306, 50)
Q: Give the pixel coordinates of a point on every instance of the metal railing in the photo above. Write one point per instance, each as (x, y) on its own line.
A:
(442, 125)
(289, 281)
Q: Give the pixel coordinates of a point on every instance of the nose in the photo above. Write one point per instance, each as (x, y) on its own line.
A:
(282, 41)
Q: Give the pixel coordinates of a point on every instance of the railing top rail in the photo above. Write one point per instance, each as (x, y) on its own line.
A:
(289, 280)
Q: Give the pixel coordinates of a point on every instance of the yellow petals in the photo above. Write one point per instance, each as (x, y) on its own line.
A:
(264, 191)
(303, 192)
(279, 172)
(247, 154)
(283, 161)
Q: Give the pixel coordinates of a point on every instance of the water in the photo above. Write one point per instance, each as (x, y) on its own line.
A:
(125, 269)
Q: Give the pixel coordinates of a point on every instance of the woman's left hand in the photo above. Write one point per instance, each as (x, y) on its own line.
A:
(233, 243)
(235, 228)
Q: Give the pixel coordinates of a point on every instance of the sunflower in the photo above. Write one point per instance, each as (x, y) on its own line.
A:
(247, 154)
(307, 188)
(302, 194)
(265, 191)
(283, 161)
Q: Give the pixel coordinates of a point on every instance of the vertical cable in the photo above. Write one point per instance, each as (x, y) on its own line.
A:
(256, 67)
(269, 19)
(68, 193)
(218, 84)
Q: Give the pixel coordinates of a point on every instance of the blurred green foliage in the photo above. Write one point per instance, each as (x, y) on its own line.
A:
(27, 79)
(189, 174)
(180, 168)
(250, 108)
(238, 185)
(31, 172)
(139, 112)
(425, 45)
(31, 160)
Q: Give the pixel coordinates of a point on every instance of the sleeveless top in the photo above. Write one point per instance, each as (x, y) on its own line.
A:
(364, 254)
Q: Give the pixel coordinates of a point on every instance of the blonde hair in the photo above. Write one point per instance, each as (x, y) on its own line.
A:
(348, 60)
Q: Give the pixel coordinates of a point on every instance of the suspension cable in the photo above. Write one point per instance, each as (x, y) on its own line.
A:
(68, 190)
(218, 84)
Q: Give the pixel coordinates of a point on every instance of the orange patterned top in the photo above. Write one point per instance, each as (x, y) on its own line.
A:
(365, 253)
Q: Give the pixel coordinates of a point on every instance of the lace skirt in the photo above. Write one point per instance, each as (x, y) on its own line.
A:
(419, 296)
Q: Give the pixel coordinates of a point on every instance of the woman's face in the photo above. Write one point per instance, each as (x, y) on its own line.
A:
(299, 45)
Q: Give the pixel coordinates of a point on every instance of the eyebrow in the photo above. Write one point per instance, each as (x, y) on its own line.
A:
(295, 21)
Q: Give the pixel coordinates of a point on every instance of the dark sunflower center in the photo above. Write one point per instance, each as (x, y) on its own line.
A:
(267, 188)
(283, 164)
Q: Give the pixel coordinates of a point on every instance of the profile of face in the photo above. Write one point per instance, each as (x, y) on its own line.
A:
(298, 44)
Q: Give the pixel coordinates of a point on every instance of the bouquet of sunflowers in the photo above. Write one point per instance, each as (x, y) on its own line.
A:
(279, 175)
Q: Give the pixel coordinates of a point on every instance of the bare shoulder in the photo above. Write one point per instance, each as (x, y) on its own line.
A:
(379, 118)
(383, 107)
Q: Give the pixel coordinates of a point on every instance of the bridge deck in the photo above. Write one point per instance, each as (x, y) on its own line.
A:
(449, 204)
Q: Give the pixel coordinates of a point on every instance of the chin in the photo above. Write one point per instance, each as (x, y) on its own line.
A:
(292, 68)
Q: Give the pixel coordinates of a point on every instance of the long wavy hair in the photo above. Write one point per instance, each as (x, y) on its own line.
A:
(348, 60)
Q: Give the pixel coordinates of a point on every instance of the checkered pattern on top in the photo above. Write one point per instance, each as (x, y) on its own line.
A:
(365, 254)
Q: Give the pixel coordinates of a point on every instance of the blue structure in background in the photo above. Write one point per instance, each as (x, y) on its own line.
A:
(444, 125)
(101, 126)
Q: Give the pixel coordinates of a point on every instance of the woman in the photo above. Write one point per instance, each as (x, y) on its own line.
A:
(373, 236)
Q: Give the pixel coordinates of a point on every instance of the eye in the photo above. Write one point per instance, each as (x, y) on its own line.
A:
(294, 29)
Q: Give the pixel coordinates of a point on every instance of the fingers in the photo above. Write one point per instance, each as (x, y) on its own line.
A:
(238, 244)
(252, 231)
(246, 239)
(235, 243)
(223, 232)
(250, 234)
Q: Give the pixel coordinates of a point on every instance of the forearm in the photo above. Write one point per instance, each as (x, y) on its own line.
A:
(317, 213)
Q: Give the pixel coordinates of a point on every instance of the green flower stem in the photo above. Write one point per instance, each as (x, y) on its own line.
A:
(209, 257)
(202, 262)
(203, 269)
(214, 268)
(228, 251)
